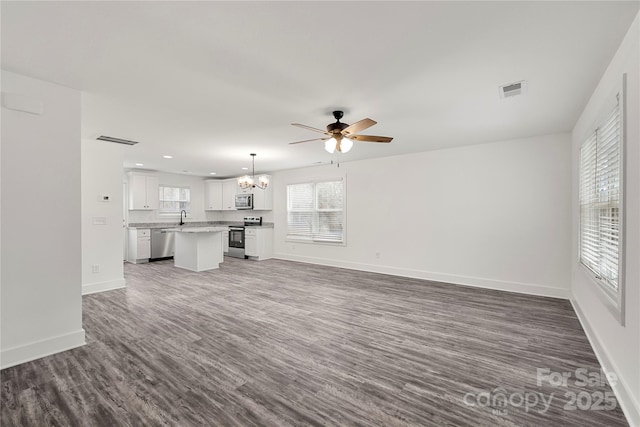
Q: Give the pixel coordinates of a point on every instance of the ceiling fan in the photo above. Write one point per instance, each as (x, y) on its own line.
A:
(340, 136)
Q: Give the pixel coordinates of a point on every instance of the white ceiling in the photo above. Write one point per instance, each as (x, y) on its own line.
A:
(211, 82)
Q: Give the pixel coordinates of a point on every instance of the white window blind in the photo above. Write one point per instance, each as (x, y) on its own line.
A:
(315, 211)
(173, 200)
(600, 196)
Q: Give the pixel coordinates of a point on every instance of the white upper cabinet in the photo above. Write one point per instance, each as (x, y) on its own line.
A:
(213, 195)
(229, 191)
(220, 195)
(143, 191)
(263, 199)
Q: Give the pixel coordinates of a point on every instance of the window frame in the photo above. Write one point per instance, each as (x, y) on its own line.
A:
(164, 213)
(311, 240)
(614, 300)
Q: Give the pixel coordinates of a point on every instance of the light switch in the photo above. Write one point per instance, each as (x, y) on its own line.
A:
(99, 220)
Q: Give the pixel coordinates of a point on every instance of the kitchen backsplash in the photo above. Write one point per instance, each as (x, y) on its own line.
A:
(153, 216)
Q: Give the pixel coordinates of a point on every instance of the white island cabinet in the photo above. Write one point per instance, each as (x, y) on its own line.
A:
(198, 248)
(225, 241)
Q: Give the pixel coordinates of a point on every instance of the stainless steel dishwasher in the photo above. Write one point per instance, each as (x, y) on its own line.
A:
(162, 244)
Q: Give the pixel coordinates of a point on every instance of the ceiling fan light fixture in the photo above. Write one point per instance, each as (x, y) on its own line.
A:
(340, 136)
(330, 145)
(345, 145)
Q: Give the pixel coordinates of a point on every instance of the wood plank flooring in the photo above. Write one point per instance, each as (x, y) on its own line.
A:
(278, 343)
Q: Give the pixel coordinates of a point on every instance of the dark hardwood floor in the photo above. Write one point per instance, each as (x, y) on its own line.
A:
(277, 343)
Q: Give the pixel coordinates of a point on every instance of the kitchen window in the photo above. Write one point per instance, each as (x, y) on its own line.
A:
(173, 200)
(601, 198)
(315, 211)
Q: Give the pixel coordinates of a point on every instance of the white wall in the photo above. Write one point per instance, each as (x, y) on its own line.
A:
(102, 244)
(41, 246)
(493, 215)
(617, 347)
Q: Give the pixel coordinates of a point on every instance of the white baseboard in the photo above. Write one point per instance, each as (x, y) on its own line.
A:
(92, 288)
(522, 288)
(626, 400)
(36, 350)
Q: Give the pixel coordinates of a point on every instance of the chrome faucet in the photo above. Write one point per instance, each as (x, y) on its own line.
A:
(185, 216)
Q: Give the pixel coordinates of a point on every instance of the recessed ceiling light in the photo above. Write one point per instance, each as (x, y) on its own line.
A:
(244, 169)
(139, 164)
(212, 173)
(168, 157)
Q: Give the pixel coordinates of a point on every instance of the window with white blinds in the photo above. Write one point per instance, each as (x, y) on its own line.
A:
(315, 211)
(600, 201)
(174, 200)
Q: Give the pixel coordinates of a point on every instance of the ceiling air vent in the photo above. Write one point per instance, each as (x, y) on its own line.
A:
(513, 89)
(116, 140)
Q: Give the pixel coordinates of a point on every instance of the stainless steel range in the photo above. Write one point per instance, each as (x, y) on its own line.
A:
(236, 241)
(236, 236)
(252, 220)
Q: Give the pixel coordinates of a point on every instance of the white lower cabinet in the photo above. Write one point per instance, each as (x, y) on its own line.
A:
(258, 242)
(250, 242)
(139, 245)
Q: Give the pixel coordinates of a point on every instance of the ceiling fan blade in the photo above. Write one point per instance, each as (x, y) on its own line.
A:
(370, 138)
(358, 126)
(309, 128)
(309, 140)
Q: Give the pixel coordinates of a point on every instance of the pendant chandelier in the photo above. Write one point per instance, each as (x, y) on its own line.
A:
(247, 181)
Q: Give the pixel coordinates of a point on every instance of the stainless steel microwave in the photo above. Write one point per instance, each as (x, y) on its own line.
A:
(244, 201)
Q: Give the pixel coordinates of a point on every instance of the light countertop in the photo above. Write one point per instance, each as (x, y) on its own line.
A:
(194, 224)
(197, 229)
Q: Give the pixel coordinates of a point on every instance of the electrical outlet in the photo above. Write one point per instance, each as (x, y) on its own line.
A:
(377, 255)
(95, 268)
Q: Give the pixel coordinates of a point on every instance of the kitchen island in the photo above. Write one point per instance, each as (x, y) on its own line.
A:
(198, 248)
